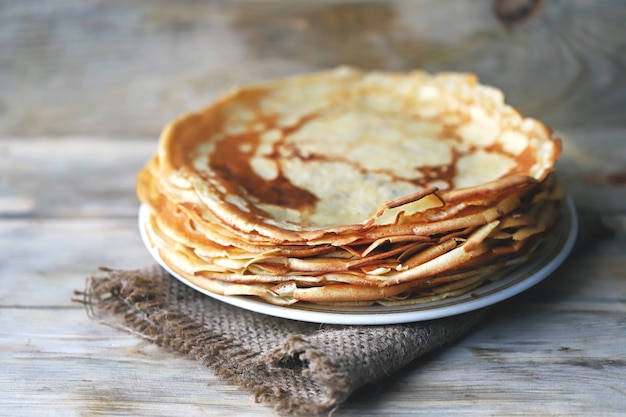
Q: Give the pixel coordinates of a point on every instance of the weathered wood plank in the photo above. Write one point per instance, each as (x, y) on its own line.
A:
(516, 366)
(593, 164)
(57, 362)
(95, 177)
(512, 365)
(127, 67)
(57, 254)
(43, 261)
(591, 281)
(76, 177)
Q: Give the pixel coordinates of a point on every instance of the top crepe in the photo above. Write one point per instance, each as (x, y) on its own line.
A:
(324, 152)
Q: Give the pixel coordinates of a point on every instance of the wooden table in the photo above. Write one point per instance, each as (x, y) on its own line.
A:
(85, 87)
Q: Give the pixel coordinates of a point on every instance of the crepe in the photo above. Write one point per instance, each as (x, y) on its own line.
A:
(347, 186)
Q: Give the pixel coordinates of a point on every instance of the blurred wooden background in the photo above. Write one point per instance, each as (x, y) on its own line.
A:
(125, 67)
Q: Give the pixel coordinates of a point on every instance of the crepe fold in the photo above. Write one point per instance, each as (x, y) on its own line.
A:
(352, 187)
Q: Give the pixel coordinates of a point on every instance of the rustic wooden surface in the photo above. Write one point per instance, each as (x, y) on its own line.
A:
(85, 87)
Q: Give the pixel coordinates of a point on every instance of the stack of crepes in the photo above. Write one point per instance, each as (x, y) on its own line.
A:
(351, 187)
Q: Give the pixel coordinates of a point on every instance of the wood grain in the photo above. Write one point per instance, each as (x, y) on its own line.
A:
(77, 177)
(127, 67)
(44, 181)
(57, 362)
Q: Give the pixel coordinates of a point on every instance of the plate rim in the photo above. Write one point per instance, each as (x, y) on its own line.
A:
(384, 315)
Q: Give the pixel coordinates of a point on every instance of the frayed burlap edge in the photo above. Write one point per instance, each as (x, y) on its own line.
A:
(299, 368)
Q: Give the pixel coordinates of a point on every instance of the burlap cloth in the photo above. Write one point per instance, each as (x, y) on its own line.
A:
(300, 368)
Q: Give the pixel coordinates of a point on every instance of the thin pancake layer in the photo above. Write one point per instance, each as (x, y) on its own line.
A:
(322, 153)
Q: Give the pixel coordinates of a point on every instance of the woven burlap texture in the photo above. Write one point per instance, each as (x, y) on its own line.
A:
(301, 368)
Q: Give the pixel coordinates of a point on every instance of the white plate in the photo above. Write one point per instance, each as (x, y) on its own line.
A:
(518, 280)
